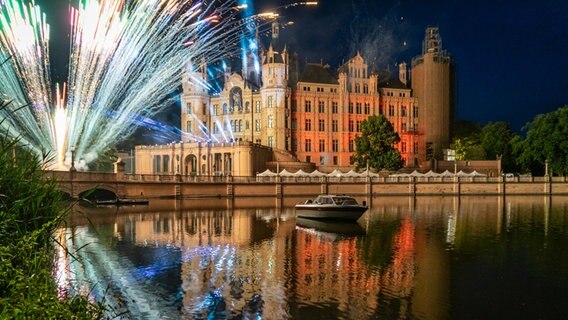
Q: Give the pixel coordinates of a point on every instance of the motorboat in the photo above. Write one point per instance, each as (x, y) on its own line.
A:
(331, 207)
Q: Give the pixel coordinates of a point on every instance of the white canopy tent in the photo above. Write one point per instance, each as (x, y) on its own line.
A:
(301, 173)
(335, 173)
(317, 173)
(285, 173)
(267, 173)
(352, 173)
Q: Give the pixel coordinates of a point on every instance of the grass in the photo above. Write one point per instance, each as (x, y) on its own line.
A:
(31, 209)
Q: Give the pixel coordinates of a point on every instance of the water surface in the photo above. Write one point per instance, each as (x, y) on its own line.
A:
(423, 258)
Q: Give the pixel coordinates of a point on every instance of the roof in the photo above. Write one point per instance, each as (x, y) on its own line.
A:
(317, 73)
(387, 80)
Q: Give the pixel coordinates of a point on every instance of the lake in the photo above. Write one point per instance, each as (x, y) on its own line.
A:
(406, 258)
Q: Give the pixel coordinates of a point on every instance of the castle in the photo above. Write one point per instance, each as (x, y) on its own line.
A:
(284, 118)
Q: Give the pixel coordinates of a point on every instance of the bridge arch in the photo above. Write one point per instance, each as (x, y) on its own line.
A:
(98, 193)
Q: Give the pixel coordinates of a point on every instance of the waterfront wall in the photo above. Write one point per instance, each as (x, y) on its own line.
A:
(177, 186)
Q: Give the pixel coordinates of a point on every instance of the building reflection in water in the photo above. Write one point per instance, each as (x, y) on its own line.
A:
(264, 263)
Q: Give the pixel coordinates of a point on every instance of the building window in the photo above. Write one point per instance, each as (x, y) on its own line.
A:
(391, 111)
(322, 160)
(350, 107)
(294, 145)
(321, 125)
(188, 108)
(321, 107)
(334, 107)
(308, 159)
(308, 145)
(215, 109)
(358, 127)
(403, 111)
(270, 141)
(240, 125)
(351, 146)
(224, 108)
(308, 125)
(269, 103)
(308, 106)
(350, 125)
(415, 112)
(334, 160)
(257, 106)
(247, 125)
(247, 106)
(367, 108)
(335, 145)
(294, 124)
(358, 108)
(403, 147)
(357, 88)
(403, 127)
(188, 126)
(365, 88)
(322, 145)
(270, 121)
(334, 125)
(257, 125)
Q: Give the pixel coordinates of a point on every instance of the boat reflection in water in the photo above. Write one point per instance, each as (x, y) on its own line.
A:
(341, 229)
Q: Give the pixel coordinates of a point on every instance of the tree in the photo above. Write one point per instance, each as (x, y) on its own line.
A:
(496, 139)
(468, 148)
(546, 140)
(375, 146)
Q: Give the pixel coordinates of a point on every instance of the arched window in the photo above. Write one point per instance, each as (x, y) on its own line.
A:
(270, 121)
(224, 108)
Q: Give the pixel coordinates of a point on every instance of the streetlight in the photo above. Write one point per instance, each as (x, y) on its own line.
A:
(72, 159)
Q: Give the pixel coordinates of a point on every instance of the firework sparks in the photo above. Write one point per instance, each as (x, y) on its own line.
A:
(126, 59)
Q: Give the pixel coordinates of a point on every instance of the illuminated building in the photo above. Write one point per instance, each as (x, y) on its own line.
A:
(314, 116)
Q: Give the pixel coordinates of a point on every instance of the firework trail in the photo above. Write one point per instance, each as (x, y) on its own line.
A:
(127, 57)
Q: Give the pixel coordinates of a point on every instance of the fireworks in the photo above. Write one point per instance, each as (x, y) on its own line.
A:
(126, 59)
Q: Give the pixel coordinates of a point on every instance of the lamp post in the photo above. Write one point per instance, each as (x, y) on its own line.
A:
(72, 169)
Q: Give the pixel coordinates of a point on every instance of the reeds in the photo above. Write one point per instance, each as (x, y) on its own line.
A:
(31, 209)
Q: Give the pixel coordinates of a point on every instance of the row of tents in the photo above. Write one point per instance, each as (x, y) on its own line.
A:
(366, 173)
(316, 173)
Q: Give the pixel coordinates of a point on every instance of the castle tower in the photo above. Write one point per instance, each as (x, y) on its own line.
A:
(432, 83)
(275, 99)
(195, 103)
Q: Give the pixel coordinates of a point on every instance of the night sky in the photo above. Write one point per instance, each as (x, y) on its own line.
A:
(510, 55)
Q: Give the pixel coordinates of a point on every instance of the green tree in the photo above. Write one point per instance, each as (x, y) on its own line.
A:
(546, 140)
(375, 146)
(468, 148)
(105, 161)
(496, 139)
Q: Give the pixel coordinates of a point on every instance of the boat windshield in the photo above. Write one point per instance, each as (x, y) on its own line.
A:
(344, 201)
(324, 200)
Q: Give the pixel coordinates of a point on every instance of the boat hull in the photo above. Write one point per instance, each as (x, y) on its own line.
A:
(331, 212)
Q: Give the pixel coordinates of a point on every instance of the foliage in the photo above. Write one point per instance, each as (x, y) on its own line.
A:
(105, 161)
(468, 148)
(462, 129)
(546, 140)
(31, 209)
(496, 140)
(375, 146)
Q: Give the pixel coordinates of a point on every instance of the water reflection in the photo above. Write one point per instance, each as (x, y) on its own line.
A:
(426, 258)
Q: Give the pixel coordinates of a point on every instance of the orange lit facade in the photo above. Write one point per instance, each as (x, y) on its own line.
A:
(316, 114)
